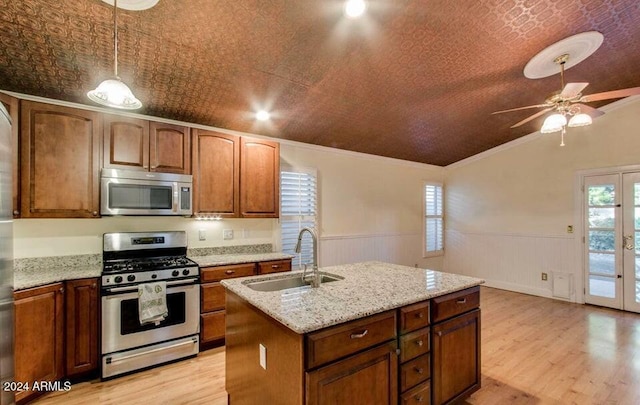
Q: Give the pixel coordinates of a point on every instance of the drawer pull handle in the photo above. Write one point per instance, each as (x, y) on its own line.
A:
(419, 342)
(418, 370)
(419, 315)
(462, 301)
(359, 335)
(229, 272)
(418, 398)
(275, 266)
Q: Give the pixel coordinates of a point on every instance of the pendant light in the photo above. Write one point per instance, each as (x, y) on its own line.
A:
(113, 92)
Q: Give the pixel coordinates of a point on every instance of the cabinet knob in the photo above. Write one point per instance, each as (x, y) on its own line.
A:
(359, 335)
(94, 286)
(418, 370)
(419, 342)
(228, 272)
(94, 213)
(419, 315)
(61, 290)
(418, 398)
(16, 213)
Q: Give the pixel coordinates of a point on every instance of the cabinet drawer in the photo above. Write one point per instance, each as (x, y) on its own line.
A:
(275, 266)
(454, 304)
(414, 344)
(339, 341)
(415, 371)
(212, 326)
(212, 297)
(221, 272)
(414, 317)
(420, 395)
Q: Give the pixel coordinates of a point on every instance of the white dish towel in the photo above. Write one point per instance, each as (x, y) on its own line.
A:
(152, 302)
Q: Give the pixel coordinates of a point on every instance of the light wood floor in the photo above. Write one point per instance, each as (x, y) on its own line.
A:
(534, 351)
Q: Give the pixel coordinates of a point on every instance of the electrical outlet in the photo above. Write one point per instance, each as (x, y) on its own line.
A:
(544, 276)
(227, 234)
(202, 234)
(245, 233)
(569, 228)
(263, 356)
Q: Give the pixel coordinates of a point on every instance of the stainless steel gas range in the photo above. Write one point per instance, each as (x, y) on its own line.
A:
(131, 262)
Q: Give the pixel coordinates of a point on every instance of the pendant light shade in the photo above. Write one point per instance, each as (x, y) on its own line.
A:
(553, 123)
(113, 92)
(580, 120)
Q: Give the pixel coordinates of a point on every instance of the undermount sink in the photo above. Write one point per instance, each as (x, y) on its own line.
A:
(293, 281)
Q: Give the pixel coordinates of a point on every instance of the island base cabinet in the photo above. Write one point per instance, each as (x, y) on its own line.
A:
(368, 378)
(456, 358)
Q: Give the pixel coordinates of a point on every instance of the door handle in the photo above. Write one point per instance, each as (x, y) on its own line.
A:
(628, 242)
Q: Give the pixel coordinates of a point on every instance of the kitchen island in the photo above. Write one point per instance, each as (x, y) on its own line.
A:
(381, 335)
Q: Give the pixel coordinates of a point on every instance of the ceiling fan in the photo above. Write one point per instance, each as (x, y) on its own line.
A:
(569, 102)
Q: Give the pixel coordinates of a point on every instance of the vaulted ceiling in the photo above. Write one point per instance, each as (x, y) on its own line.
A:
(412, 79)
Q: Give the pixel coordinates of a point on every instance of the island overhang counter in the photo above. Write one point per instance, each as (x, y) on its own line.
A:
(385, 333)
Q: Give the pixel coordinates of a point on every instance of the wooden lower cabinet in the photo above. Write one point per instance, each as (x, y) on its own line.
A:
(456, 358)
(368, 378)
(212, 326)
(39, 336)
(81, 308)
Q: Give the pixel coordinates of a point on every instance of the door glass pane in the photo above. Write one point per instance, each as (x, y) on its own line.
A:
(638, 267)
(636, 195)
(603, 263)
(602, 286)
(602, 217)
(637, 217)
(635, 242)
(602, 194)
(601, 240)
(637, 291)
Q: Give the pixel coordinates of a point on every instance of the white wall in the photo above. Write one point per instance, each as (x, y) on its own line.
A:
(370, 207)
(508, 210)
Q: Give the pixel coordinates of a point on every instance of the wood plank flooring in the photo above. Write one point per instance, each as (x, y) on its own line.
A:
(534, 351)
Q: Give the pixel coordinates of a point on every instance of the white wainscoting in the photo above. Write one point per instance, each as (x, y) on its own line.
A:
(514, 261)
(405, 249)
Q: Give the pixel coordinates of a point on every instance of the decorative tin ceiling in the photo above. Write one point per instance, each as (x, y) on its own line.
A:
(413, 79)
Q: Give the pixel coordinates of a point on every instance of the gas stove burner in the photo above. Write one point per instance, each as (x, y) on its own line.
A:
(147, 264)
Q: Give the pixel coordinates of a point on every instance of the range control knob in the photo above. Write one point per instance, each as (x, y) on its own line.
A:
(154, 276)
(175, 273)
(131, 277)
(185, 272)
(118, 279)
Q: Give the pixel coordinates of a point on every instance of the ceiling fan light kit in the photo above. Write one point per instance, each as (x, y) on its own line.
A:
(569, 101)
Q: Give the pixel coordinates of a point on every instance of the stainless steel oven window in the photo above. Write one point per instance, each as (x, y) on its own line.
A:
(119, 330)
(140, 196)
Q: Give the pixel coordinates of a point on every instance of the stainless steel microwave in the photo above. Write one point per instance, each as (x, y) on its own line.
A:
(128, 192)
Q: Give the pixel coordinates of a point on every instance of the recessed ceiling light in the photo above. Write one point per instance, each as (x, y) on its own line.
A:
(354, 8)
(135, 5)
(263, 115)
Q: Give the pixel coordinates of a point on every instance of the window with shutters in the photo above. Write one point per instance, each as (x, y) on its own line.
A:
(298, 209)
(433, 220)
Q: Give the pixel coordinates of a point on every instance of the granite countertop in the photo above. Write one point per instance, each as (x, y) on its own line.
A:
(37, 271)
(222, 259)
(368, 288)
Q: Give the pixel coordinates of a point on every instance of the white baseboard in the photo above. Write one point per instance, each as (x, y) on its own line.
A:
(540, 292)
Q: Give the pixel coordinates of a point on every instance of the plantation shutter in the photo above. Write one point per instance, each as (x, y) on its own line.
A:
(298, 205)
(433, 222)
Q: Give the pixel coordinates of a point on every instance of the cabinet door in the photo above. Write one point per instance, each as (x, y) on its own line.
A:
(169, 148)
(11, 104)
(81, 310)
(60, 161)
(212, 326)
(39, 333)
(260, 178)
(126, 143)
(216, 173)
(456, 357)
(368, 378)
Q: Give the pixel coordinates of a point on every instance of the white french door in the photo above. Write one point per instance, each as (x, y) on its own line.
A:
(612, 227)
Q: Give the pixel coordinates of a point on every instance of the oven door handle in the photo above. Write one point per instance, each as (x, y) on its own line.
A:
(159, 349)
(135, 287)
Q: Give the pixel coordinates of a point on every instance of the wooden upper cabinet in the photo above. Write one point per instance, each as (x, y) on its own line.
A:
(11, 104)
(60, 161)
(260, 178)
(126, 143)
(169, 148)
(135, 144)
(216, 173)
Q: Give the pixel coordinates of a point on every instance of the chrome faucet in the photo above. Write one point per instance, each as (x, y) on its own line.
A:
(315, 281)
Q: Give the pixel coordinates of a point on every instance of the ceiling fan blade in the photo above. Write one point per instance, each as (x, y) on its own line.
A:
(610, 94)
(593, 112)
(573, 89)
(522, 108)
(534, 116)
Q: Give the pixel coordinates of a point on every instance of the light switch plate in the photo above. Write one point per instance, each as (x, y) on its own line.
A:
(263, 356)
(202, 234)
(227, 234)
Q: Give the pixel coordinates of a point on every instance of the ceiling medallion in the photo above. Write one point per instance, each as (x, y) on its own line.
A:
(579, 46)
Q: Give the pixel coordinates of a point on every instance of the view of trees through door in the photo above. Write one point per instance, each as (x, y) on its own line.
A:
(612, 227)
